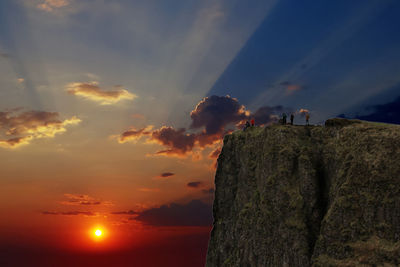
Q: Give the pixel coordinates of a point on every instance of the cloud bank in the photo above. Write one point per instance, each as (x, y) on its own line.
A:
(212, 118)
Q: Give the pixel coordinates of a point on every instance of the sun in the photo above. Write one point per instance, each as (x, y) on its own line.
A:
(98, 232)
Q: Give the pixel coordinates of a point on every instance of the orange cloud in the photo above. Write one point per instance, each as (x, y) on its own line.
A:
(133, 135)
(21, 128)
(76, 199)
(51, 5)
(215, 153)
(92, 91)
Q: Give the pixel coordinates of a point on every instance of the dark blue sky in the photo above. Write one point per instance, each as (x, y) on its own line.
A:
(339, 53)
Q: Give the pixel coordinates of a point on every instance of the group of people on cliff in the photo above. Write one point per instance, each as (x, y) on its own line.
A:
(282, 121)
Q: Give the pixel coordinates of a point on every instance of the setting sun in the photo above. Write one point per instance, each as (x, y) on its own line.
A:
(98, 232)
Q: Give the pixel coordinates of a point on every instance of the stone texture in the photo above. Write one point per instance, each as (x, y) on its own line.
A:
(308, 196)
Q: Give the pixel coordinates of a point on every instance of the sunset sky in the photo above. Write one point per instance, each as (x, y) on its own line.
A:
(112, 113)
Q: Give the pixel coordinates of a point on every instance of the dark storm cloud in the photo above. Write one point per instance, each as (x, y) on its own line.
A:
(194, 184)
(69, 213)
(194, 213)
(167, 174)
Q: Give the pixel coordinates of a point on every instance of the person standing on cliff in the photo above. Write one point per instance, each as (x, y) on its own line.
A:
(307, 119)
(247, 125)
(252, 122)
(291, 118)
(284, 118)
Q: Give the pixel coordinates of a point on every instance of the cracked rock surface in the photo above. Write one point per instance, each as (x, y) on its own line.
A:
(308, 196)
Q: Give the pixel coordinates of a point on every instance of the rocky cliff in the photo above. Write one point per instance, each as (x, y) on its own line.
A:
(308, 196)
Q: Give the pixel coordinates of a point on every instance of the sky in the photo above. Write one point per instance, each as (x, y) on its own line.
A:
(112, 113)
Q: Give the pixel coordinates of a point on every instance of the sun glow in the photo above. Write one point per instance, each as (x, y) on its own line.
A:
(98, 233)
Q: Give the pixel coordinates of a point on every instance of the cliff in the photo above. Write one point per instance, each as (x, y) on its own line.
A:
(308, 196)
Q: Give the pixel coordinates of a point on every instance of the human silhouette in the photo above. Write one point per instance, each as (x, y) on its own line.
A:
(247, 125)
(284, 118)
(252, 122)
(291, 118)
(307, 119)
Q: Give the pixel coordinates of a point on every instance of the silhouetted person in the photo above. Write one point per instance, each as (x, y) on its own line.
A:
(284, 118)
(247, 125)
(307, 119)
(252, 122)
(291, 118)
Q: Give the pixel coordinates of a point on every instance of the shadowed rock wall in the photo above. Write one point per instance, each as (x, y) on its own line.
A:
(301, 196)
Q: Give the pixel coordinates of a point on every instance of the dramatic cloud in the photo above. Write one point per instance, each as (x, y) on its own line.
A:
(177, 140)
(69, 213)
(75, 199)
(215, 112)
(92, 91)
(194, 213)
(167, 174)
(21, 127)
(194, 184)
(213, 117)
(51, 5)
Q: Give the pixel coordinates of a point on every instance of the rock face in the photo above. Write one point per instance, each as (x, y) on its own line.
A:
(308, 196)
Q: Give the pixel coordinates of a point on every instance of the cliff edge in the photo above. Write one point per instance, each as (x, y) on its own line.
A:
(308, 196)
